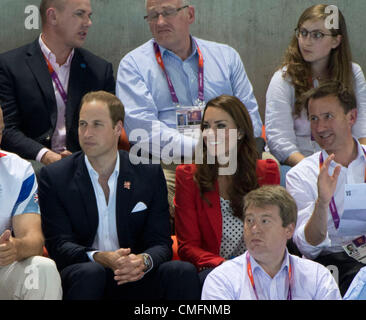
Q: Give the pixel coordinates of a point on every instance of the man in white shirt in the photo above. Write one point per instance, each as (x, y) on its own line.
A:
(24, 274)
(42, 83)
(321, 184)
(267, 271)
(106, 220)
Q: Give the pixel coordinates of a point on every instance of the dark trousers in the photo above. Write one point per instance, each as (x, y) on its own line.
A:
(173, 280)
(347, 268)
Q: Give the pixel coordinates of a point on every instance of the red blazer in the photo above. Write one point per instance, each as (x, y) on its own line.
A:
(198, 226)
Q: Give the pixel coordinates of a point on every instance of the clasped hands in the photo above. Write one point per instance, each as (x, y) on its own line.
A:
(127, 267)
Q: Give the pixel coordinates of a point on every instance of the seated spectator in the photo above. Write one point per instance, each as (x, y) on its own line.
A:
(267, 271)
(106, 220)
(318, 52)
(42, 83)
(328, 221)
(208, 200)
(24, 275)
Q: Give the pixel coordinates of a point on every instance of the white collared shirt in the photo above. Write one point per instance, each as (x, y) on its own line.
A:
(230, 281)
(58, 140)
(106, 238)
(301, 183)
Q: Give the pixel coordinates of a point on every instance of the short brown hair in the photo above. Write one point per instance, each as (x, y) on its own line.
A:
(334, 88)
(115, 106)
(46, 4)
(273, 195)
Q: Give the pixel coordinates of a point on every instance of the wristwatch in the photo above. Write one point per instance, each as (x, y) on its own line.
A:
(147, 261)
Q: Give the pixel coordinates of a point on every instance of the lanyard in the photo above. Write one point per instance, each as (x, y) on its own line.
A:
(57, 81)
(332, 205)
(251, 278)
(160, 61)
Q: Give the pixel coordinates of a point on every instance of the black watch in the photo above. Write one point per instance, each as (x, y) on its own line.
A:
(147, 262)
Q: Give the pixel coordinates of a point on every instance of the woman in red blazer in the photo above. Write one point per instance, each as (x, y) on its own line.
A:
(202, 189)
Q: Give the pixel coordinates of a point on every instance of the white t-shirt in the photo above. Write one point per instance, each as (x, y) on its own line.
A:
(18, 188)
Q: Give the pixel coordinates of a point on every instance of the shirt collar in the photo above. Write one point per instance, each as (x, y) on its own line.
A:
(360, 153)
(51, 56)
(92, 172)
(285, 263)
(164, 50)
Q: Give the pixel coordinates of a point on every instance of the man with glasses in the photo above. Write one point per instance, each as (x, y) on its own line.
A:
(42, 83)
(176, 71)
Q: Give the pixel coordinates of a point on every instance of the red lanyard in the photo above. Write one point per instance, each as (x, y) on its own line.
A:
(251, 277)
(57, 81)
(332, 205)
(160, 61)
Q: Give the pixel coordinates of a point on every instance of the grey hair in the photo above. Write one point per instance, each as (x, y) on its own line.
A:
(184, 3)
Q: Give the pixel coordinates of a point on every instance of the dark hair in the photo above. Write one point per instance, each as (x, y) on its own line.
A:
(340, 60)
(115, 106)
(46, 4)
(334, 88)
(275, 195)
(245, 178)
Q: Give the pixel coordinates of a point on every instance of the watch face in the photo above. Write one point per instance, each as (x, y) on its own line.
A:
(147, 261)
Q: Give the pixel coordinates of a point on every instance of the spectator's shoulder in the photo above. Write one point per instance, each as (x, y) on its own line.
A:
(91, 58)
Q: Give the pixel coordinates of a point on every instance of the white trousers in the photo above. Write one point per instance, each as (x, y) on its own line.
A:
(34, 278)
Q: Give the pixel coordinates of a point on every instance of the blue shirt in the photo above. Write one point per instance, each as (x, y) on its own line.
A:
(357, 289)
(143, 89)
(230, 281)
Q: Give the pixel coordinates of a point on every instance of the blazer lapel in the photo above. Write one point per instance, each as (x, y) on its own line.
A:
(214, 215)
(85, 186)
(75, 92)
(125, 188)
(38, 67)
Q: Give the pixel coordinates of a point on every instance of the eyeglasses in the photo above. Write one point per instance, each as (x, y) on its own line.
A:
(315, 35)
(167, 13)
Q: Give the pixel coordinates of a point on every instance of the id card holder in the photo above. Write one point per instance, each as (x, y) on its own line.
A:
(356, 249)
(188, 120)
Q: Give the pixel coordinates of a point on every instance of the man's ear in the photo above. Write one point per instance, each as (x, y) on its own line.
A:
(290, 229)
(51, 16)
(352, 116)
(191, 14)
(118, 127)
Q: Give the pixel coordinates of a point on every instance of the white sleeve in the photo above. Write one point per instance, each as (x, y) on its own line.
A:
(359, 129)
(242, 88)
(279, 120)
(217, 286)
(304, 191)
(327, 288)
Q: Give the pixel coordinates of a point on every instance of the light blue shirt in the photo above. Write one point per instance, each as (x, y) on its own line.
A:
(143, 89)
(230, 281)
(357, 289)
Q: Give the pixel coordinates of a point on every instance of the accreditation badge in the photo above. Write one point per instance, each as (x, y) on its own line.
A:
(188, 120)
(356, 249)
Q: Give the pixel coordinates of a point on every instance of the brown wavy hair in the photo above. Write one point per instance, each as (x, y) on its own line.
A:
(340, 61)
(245, 179)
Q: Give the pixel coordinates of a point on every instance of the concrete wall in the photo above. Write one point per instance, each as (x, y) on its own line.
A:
(259, 29)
